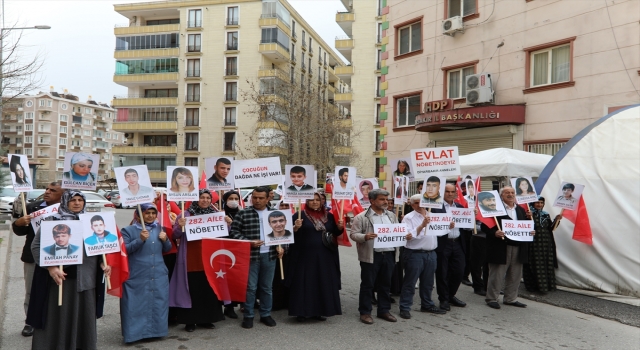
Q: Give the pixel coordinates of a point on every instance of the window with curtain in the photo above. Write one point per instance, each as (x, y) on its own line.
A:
(193, 117)
(232, 16)
(229, 141)
(456, 87)
(232, 66)
(461, 7)
(193, 92)
(407, 108)
(191, 142)
(410, 38)
(195, 18)
(232, 40)
(231, 91)
(193, 68)
(550, 66)
(194, 42)
(230, 116)
(190, 161)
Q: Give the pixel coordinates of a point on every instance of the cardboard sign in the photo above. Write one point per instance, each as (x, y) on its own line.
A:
(344, 182)
(20, 174)
(220, 170)
(439, 224)
(568, 196)
(440, 160)
(134, 185)
(364, 187)
(299, 183)
(80, 170)
(463, 217)
(100, 233)
(525, 192)
(518, 230)
(432, 195)
(61, 243)
(401, 167)
(40, 215)
(182, 183)
(278, 227)
(401, 189)
(390, 235)
(257, 172)
(206, 226)
(490, 204)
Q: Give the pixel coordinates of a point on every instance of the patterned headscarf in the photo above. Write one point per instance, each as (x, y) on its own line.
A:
(195, 208)
(64, 212)
(533, 208)
(136, 217)
(317, 217)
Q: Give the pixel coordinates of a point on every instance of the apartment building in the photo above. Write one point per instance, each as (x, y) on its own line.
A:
(186, 65)
(362, 46)
(47, 125)
(521, 74)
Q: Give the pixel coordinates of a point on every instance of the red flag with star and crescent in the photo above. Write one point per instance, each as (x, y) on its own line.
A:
(119, 263)
(226, 264)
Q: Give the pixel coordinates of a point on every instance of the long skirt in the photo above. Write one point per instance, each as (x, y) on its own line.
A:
(205, 306)
(539, 273)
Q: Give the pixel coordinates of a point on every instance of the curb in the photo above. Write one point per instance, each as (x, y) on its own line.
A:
(5, 258)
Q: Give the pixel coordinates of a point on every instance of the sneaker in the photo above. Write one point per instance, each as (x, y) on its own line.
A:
(247, 322)
(268, 321)
(405, 314)
(433, 310)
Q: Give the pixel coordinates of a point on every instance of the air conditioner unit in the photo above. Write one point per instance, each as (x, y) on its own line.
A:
(453, 25)
(479, 89)
(128, 135)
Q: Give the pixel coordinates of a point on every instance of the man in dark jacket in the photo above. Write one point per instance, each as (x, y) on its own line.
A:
(22, 227)
(505, 256)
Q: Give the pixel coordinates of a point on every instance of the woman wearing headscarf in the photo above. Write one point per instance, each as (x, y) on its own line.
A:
(189, 289)
(313, 273)
(539, 272)
(144, 306)
(80, 168)
(73, 324)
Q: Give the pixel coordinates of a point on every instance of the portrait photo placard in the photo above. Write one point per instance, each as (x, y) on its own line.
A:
(568, 195)
(525, 192)
(432, 195)
(364, 187)
(471, 184)
(80, 170)
(220, 173)
(278, 227)
(401, 166)
(400, 189)
(490, 204)
(182, 183)
(100, 233)
(61, 243)
(134, 185)
(299, 183)
(344, 182)
(20, 173)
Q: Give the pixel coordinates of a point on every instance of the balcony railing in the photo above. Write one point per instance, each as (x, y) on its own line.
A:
(193, 48)
(232, 21)
(152, 118)
(193, 98)
(275, 15)
(143, 96)
(231, 71)
(232, 46)
(274, 41)
(231, 97)
(194, 24)
(193, 72)
(230, 121)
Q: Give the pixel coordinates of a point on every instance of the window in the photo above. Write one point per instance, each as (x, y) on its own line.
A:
(292, 75)
(232, 66)
(378, 82)
(108, 136)
(158, 22)
(456, 82)
(190, 161)
(28, 127)
(146, 42)
(75, 143)
(86, 132)
(28, 115)
(63, 129)
(230, 141)
(232, 40)
(28, 151)
(63, 117)
(88, 111)
(407, 108)
(62, 141)
(293, 52)
(193, 117)
(150, 66)
(550, 66)
(379, 33)
(230, 116)
(28, 139)
(193, 68)
(232, 16)
(231, 91)
(303, 66)
(195, 19)
(151, 93)
(377, 142)
(191, 142)
(310, 42)
(378, 113)
(86, 143)
(319, 54)
(42, 103)
(160, 140)
(86, 121)
(409, 38)
(293, 29)
(61, 153)
(194, 43)
(275, 35)
(460, 8)
(379, 60)
(59, 164)
(193, 92)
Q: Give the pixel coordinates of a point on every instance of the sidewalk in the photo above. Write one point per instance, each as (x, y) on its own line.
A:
(5, 259)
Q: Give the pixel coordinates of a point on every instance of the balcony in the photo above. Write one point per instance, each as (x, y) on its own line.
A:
(139, 101)
(140, 79)
(270, 20)
(345, 21)
(163, 28)
(342, 150)
(346, 123)
(147, 53)
(271, 151)
(170, 150)
(274, 52)
(265, 72)
(345, 44)
(344, 98)
(133, 126)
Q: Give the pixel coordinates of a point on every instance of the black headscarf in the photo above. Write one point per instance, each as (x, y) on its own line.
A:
(195, 208)
(64, 213)
(231, 212)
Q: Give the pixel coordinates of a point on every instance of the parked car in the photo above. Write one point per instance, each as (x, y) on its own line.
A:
(97, 203)
(114, 197)
(31, 196)
(7, 196)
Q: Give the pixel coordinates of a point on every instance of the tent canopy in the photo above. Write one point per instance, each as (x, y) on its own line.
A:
(504, 162)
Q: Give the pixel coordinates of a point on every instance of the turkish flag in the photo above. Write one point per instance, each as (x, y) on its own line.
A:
(226, 264)
(580, 218)
(119, 263)
(460, 199)
(165, 221)
(343, 238)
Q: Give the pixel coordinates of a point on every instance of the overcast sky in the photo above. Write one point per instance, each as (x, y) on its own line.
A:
(78, 49)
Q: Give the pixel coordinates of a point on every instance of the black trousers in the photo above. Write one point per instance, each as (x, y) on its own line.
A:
(466, 236)
(479, 266)
(378, 273)
(449, 269)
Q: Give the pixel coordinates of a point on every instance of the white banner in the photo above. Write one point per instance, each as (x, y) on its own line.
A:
(518, 230)
(463, 217)
(441, 160)
(257, 172)
(390, 235)
(61, 243)
(100, 233)
(439, 224)
(38, 216)
(206, 226)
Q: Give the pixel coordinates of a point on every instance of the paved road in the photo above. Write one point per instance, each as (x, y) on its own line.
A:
(538, 326)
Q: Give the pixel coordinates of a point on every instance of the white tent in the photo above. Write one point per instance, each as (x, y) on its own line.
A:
(605, 157)
(503, 162)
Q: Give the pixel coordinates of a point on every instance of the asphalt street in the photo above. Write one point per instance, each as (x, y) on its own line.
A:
(540, 325)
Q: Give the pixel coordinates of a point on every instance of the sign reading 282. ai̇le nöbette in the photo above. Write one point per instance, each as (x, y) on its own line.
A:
(390, 235)
(442, 161)
(206, 226)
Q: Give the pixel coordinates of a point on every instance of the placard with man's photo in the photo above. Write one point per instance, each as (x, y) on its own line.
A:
(278, 227)
(100, 233)
(300, 183)
(432, 195)
(219, 172)
(344, 182)
(490, 204)
(61, 243)
(364, 187)
(568, 195)
(134, 185)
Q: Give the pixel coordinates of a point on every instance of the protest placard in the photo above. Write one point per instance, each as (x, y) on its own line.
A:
(440, 160)
(525, 192)
(61, 243)
(100, 233)
(439, 224)
(364, 187)
(182, 183)
(220, 172)
(432, 195)
(402, 167)
(38, 216)
(134, 185)
(278, 227)
(344, 182)
(463, 217)
(206, 226)
(257, 172)
(401, 189)
(20, 175)
(390, 235)
(518, 230)
(568, 196)
(299, 183)
(490, 204)
(80, 170)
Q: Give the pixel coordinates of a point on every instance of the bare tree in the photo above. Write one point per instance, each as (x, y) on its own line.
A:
(295, 120)
(18, 75)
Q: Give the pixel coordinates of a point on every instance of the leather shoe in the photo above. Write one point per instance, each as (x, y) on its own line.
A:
(247, 322)
(493, 305)
(466, 282)
(515, 303)
(433, 310)
(207, 325)
(457, 302)
(405, 314)
(388, 317)
(230, 312)
(190, 327)
(268, 321)
(480, 292)
(27, 331)
(366, 319)
(444, 305)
